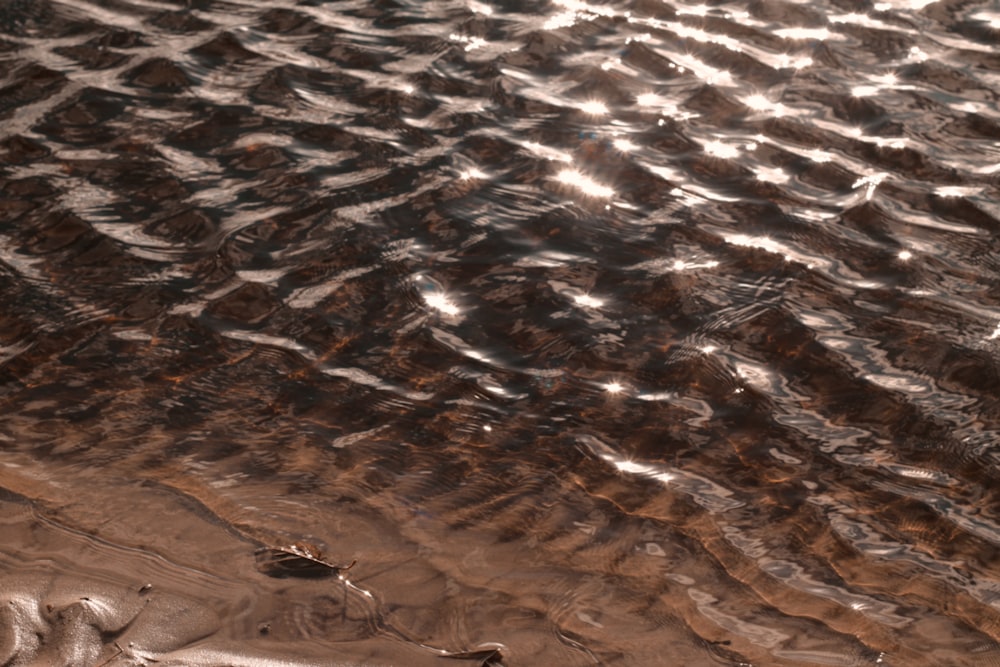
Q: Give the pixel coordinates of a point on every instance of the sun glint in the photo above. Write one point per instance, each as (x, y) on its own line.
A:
(583, 182)
(595, 107)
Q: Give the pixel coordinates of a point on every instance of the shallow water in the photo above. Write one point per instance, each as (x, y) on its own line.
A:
(631, 333)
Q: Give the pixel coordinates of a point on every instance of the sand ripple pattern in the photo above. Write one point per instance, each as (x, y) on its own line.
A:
(596, 332)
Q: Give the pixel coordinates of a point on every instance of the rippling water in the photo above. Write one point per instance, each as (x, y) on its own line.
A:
(625, 333)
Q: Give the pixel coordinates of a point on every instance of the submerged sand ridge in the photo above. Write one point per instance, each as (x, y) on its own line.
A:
(69, 597)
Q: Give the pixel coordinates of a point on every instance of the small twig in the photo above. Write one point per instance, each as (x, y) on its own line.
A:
(114, 657)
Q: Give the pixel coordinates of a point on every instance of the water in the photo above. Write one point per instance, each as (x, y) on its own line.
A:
(625, 333)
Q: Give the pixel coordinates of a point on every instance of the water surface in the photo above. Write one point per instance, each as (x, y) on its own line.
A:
(595, 333)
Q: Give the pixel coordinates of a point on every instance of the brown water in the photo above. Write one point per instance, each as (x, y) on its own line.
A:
(624, 333)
